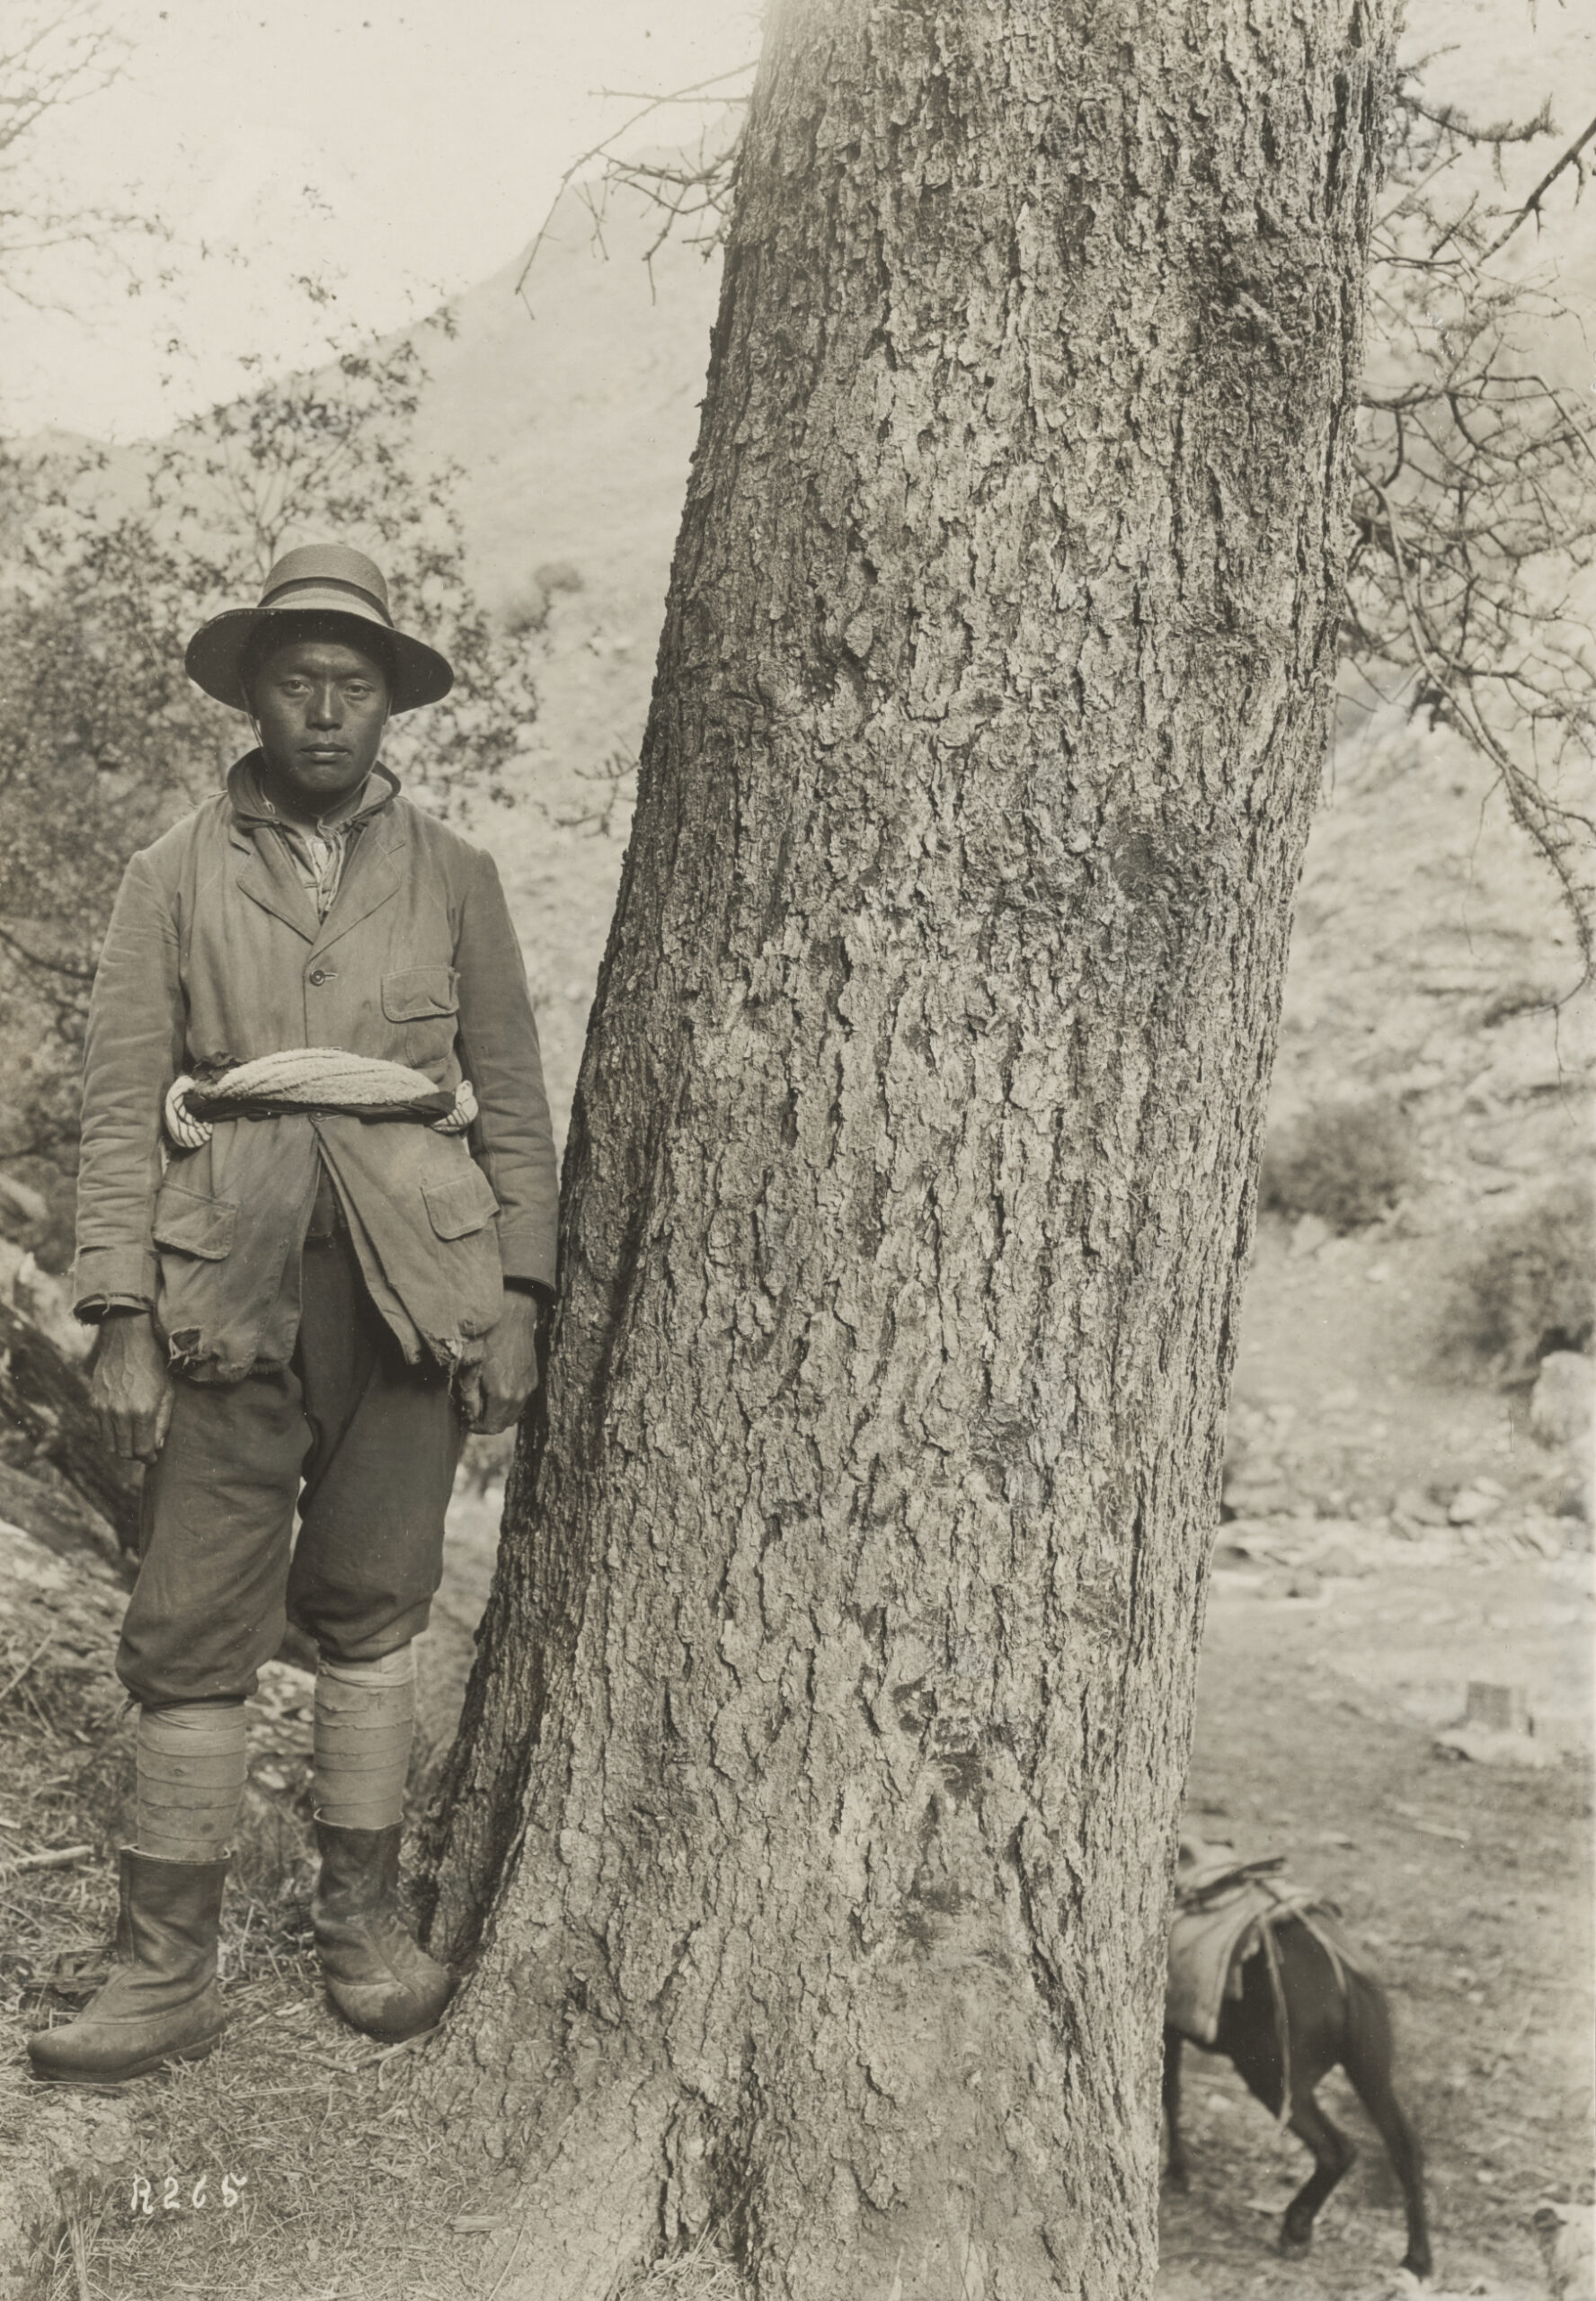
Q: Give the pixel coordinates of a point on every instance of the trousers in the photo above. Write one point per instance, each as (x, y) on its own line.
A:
(364, 1444)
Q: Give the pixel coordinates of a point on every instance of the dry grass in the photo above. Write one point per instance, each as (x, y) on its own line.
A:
(343, 2192)
(299, 2113)
(295, 2113)
(699, 2274)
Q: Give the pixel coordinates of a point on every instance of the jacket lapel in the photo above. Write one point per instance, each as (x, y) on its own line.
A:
(276, 890)
(372, 874)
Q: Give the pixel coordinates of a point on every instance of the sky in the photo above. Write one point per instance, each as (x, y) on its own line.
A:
(395, 153)
(398, 151)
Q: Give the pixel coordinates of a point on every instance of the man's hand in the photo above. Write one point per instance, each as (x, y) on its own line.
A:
(131, 1390)
(494, 1390)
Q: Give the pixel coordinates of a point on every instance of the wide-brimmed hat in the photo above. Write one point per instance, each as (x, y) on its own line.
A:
(319, 579)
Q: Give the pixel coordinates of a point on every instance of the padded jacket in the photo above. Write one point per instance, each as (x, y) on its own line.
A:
(215, 950)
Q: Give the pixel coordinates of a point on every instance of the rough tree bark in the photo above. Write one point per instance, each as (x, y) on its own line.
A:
(814, 1804)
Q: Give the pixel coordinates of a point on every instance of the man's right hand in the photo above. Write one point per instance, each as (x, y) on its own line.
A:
(131, 1390)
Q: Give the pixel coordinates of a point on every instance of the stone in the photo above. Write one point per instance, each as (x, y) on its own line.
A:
(1486, 1748)
(21, 1202)
(1561, 1403)
(1545, 1535)
(58, 1517)
(1566, 2236)
(1421, 1508)
(44, 1300)
(1259, 1498)
(1309, 1232)
(1472, 1505)
(1343, 1558)
(1255, 1484)
(1292, 1582)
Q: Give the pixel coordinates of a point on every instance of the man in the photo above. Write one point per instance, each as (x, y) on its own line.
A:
(301, 1292)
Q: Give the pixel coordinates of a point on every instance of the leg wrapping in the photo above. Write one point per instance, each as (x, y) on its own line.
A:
(190, 1761)
(365, 1716)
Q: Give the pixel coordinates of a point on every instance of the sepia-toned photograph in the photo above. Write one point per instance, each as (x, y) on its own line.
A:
(797, 1171)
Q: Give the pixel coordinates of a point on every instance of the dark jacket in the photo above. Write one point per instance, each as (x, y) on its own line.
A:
(214, 950)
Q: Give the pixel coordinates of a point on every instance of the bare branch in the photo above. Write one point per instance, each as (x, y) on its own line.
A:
(1474, 499)
(1532, 207)
(696, 91)
(74, 52)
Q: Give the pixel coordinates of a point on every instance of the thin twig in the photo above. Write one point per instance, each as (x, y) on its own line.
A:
(1538, 815)
(1532, 205)
(601, 151)
(509, 2263)
(61, 1858)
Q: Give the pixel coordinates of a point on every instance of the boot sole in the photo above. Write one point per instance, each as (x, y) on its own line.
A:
(397, 2031)
(198, 2051)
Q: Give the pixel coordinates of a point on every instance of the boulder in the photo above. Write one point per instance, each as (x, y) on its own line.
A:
(44, 1300)
(44, 1399)
(58, 1517)
(1567, 2243)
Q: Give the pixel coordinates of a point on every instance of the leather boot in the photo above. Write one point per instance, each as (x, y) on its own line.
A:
(162, 2005)
(377, 1973)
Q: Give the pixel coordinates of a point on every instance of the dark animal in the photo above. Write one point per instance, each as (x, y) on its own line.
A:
(1290, 2027)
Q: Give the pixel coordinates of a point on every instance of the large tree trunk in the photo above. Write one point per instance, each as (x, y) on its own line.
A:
(820, 1772)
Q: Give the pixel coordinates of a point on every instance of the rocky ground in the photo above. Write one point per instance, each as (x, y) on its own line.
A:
(1334, 1663)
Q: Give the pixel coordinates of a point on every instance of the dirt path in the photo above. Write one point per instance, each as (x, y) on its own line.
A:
(1468, 1884)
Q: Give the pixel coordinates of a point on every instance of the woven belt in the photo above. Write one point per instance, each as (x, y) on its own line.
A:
(313, 1078)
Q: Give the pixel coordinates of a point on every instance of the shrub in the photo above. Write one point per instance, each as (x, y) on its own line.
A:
(1532, 1288)
(1347, 1162)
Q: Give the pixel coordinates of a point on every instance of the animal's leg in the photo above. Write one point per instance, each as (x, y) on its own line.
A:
(1333, 2156)
(1179, 2171)
(1368, 2063)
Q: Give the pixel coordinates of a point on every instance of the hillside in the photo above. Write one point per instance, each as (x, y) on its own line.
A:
(573, 415)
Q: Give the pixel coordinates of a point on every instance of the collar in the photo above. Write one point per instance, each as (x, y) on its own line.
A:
(251, 805)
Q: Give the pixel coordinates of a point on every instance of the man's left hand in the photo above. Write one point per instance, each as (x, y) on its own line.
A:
(493, 1392)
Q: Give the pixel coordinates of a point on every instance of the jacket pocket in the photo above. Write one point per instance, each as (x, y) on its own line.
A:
(464, 1203)
(419, 991)
(193, 1224)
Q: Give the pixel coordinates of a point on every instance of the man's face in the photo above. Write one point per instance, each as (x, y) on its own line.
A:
(321, 709)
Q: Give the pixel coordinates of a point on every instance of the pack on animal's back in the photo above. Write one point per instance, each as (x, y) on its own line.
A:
(1224, 1912)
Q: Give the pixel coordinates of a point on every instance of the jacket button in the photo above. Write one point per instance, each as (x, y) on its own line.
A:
(318, 976)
